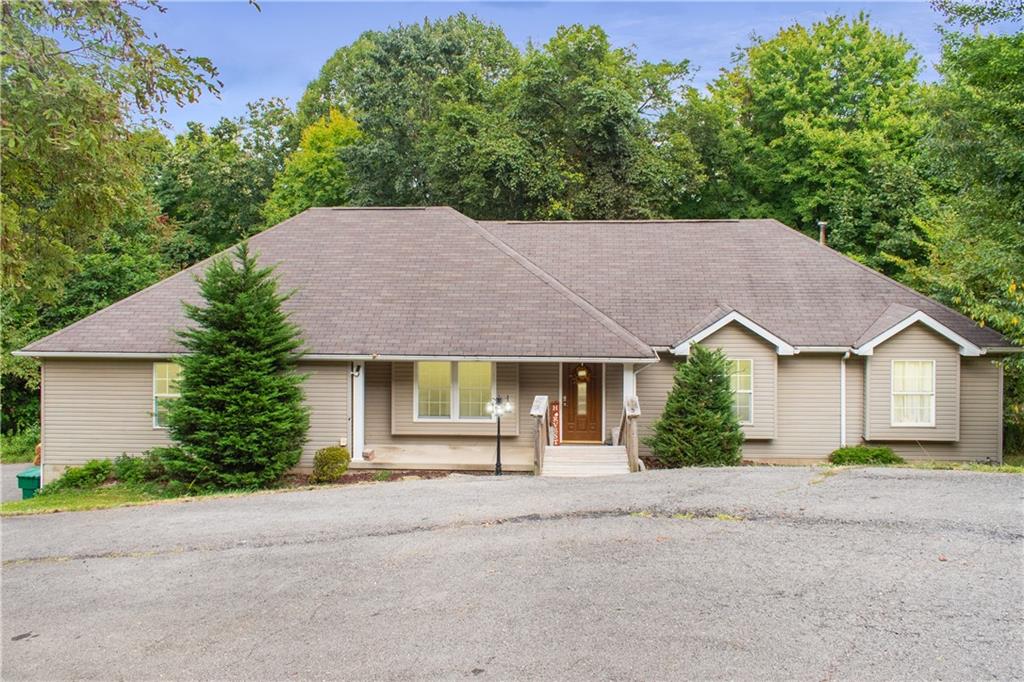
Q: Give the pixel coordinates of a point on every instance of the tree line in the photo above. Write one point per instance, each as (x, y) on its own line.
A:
(829, 121)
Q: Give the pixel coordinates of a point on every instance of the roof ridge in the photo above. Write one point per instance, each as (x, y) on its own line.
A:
(179, 273)
(878, 275)
(616, 220)
(583, 304)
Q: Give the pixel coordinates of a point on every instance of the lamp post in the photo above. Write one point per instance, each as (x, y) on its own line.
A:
(498, 406)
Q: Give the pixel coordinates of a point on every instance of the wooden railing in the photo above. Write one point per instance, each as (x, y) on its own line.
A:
(629, 434)
(541, 440)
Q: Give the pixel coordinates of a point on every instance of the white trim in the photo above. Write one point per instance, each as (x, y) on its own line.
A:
(750, 422)
(822, 349)
(358, 373)
(781, 347)
(453, 398)
(628, 382)
(892, 394)
(561, 403)
(842, 400)
(967, 348)
(342, 357)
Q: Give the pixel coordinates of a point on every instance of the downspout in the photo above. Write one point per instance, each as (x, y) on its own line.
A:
(842, 399)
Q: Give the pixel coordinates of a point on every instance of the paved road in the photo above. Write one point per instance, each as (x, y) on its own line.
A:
(867, 574)
(9, 480)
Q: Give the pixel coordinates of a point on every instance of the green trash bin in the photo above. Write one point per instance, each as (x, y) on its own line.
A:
(28, 481)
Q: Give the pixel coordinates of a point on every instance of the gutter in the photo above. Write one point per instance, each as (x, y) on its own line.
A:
(341, 357)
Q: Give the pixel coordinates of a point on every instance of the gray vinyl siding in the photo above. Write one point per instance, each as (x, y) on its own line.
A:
(854, 400)
(612, 398)
(808, 411)
(326, 389)
(99, 409)
(404, 424)
(653, 383)
(377, 403)
(981, 420)
(740, 344)
(535, 378)
(917, 342)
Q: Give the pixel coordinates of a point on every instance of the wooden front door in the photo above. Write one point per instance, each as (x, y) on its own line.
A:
(582, 403)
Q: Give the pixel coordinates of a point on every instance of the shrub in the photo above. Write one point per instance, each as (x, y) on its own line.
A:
(382, 475)
(240, 422)
(330, 464)
(146, 468)
(89, 475)
(862, 454)
(698, 426)
(19, 447)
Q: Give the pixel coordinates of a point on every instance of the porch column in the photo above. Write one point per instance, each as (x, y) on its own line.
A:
(628, 382)
(358, 410)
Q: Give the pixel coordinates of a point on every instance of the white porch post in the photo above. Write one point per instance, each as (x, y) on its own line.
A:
(842, 401)
(628, 382)
(358, 410)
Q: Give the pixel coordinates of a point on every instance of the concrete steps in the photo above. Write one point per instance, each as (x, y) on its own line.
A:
(585, 460)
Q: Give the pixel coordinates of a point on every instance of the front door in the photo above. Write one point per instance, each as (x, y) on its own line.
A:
(582, 403)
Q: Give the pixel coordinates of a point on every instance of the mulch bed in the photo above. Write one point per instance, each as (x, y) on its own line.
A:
(371, 476)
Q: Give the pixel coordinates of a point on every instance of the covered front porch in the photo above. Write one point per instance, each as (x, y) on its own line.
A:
(391, 428)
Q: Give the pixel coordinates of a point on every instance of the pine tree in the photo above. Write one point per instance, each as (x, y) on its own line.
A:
(240, 421)
(698, 426)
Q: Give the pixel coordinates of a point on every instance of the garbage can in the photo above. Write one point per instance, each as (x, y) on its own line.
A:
(28, 481)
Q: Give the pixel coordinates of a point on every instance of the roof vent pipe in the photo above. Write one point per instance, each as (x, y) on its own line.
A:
(821, 232)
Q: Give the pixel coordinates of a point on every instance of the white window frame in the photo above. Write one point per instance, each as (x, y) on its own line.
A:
(750, 392)
(892, 395)
(454, 397)
(157, 396)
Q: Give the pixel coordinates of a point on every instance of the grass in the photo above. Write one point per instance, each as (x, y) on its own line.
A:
(117, 495)
(19, 447)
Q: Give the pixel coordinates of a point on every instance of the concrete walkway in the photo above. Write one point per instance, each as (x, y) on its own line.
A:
(744, 573)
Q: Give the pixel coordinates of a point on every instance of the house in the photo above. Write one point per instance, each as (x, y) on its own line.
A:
(413, 318)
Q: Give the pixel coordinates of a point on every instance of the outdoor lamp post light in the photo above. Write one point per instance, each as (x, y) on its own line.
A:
(499, 406)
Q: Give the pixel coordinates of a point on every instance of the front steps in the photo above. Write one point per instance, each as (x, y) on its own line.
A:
(585, 460)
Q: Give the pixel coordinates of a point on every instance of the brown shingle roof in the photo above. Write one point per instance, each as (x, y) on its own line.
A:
(415, 282)
(661, 278)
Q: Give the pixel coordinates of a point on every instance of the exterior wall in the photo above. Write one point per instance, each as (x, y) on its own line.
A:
(808, 411)
(653, 383)
(403, 422)
(99, 409)
(327, 389)
(535, 378)
(612, 399)
(981, 419)
(917, 342)
(854, 400)
(739, 343)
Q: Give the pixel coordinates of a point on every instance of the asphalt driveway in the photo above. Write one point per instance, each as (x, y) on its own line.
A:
(748, 573)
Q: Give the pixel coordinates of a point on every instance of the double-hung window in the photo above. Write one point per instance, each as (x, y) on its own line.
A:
(913, 393)
(453, 391)
(165, 390)
(741, 383)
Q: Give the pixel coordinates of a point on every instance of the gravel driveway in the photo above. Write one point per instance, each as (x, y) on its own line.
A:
(866, 574)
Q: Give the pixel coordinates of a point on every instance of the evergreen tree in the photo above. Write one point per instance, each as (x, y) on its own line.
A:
(698, 426)
(240, 421)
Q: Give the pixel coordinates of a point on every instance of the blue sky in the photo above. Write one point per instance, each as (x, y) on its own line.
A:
(277, 51)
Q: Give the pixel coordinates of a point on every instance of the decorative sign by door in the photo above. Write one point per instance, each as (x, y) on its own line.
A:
(556, 423)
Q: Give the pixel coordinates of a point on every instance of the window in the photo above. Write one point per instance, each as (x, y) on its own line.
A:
(913, 393)
(434, 389)
(165, 390)
(741, 383)
(453, 390)
(474, 389)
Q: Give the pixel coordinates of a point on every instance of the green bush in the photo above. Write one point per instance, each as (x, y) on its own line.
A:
(146, 468)
(862, 454)
(90, 475)
(19, 447)
(382, 475)
(698, 426)
(330, 464)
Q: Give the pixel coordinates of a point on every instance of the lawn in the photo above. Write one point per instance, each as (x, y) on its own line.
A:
(80, 500)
